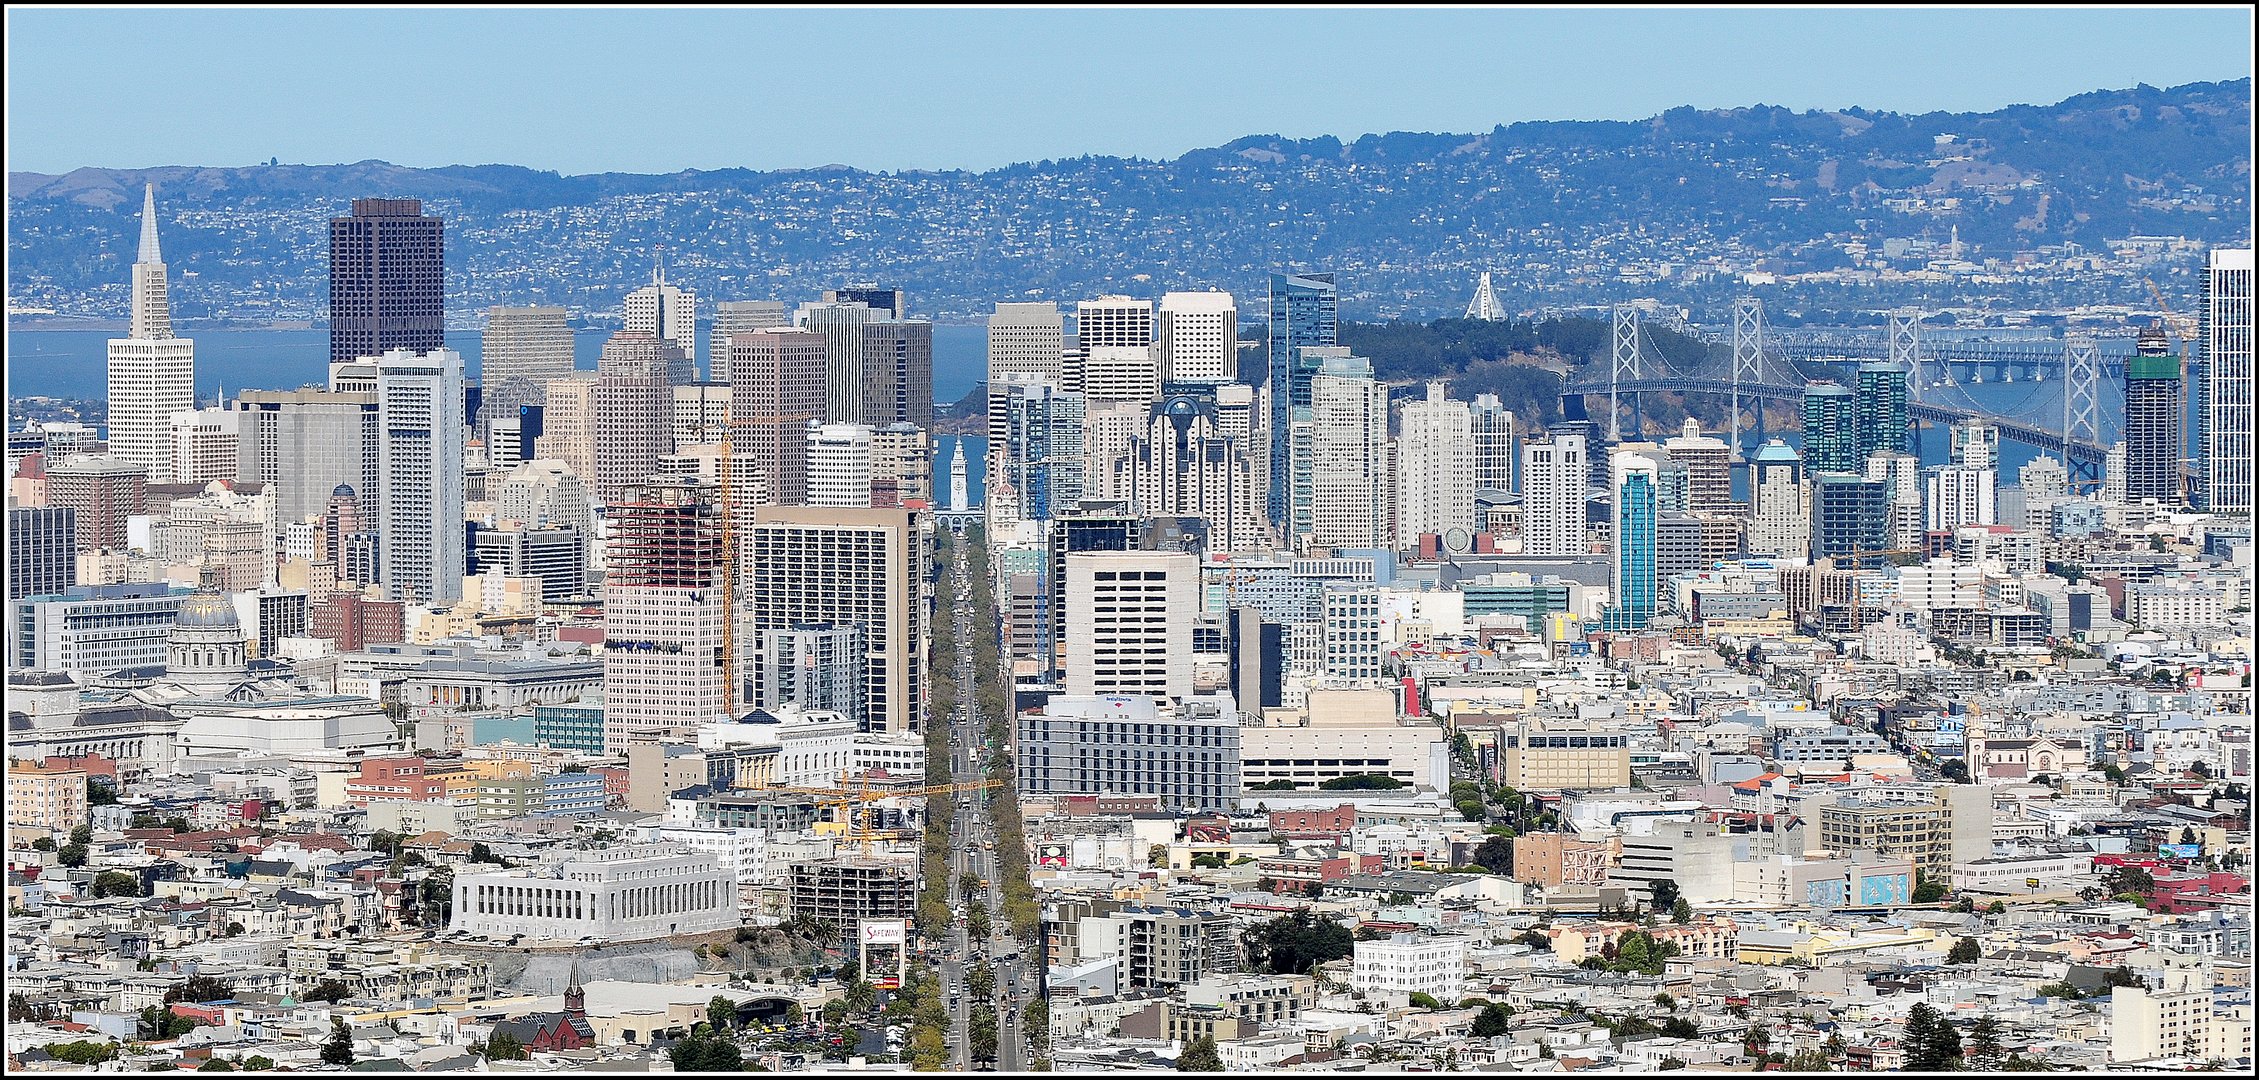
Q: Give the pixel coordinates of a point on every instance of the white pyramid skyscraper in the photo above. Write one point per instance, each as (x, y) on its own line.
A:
(152, 373)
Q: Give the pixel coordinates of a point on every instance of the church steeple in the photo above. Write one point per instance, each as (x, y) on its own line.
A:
(576, 998)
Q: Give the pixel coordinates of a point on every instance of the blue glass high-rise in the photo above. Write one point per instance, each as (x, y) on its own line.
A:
(1634, 583)
(1304, 311)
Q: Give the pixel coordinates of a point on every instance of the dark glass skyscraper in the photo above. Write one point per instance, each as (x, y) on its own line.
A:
(387, 280)
(1831, 430)
(1304, 312)
(1849, 514)
(2153, 421)
(1881, 414)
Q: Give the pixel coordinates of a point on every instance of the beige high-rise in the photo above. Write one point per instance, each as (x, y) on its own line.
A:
(776, 388)
(567, 425)
(846, 567)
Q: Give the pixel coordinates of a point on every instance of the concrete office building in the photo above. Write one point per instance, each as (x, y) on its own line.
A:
(152, 373)
(387, 281)
(633, 418)
(1349, 489)
(42, 550)
(568, 425)
(2226, 411)
(90, 630)
(1197, 334)
(666, 313)
(776, 389)
(1129, 618)
(861, 568)
(1781, 522)
(520, 351)
(663, 662)
(1023, 339)
(840, 327)
(734, 317)
(1435, 492)
(635, 892)
(1186, 755)
(301, 444)
(839, 465)
(104, 490)
(897, 374)
(1555, 478)
(1549, 755)
(420, 471)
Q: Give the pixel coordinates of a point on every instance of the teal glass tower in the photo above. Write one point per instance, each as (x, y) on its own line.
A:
(1831, 437)
(1634, 580)
(1881, 412)
(1305, 310)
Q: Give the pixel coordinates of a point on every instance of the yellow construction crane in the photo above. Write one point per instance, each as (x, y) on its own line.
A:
(2182, 326)
(856, 802)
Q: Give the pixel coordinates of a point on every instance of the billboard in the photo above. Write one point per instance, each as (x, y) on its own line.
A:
(885, 932)
(2179, 851)
(1050, 854)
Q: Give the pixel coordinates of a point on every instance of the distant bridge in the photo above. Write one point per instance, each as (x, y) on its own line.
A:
(2081, 452)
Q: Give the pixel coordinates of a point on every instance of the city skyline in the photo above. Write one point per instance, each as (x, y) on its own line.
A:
(929, 96)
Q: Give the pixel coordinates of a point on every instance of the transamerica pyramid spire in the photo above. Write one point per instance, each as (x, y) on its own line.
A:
(149, 252)
(152, 316)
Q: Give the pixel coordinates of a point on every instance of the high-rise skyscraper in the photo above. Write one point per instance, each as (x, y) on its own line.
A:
(1435, 469)
(901, 466)
(1781, 515)
(2228, 405)
(1129, 616)
(420, 423)
(1197, 334)
(825, 566)
(1881, 411)
(897, 374)
(1023, 339)
(1831, 429)
(387, 280)
(669, 313)
(664, 669)
(42, 550)
(521, 349)
(205, 443)
(1555, 478)
(1115, 337)
(568, 424)
(152, 373)
(1186, 464)
(633, 420)
(1960, 495)
(1304, 311)
(1042, 456)
(301, 444)
(1849, 514)
(1709, 468)
(734, 317)
(1496, 444)
(839, 466)
(2153, 420)
(105, 490)
(1632, 578)
(1350, 497)
(891, 303)
(776, 390)
(841, 328)
(1902, 472)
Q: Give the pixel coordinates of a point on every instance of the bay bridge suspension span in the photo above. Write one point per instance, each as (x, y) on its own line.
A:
(1760, 367)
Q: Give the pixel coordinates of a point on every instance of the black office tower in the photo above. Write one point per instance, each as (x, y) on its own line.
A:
(386, 280)
(2153, 421)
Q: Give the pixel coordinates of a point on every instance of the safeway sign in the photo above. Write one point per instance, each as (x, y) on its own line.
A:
(885, 931)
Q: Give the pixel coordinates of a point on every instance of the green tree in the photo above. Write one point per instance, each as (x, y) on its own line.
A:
(116, 883)
(1965, 951)
(721, 1013)
(1813, 1059)
(1927, 890)
(1296, 944)
(197, 989)
(1932, 1044)
(1681, 911)
(83, 1052)
(259, 1063)
(1200, 1056)
(1419, 1000)
(1666, 1002)
(1496, 854)
(338, 1049)
(504, 1046)
(1534, 939)
(1984, 1053)
(330, 990)
(1495, 1019)
(1665, 894)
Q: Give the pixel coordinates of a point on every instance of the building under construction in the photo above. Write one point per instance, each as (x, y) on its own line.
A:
(850, 889)
(666, 642)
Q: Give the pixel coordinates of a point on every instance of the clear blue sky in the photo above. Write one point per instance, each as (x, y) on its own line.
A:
(655, 91)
